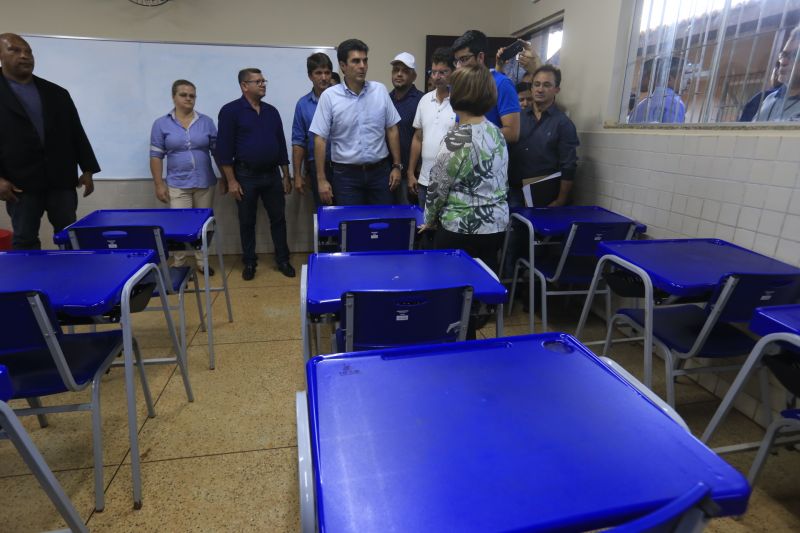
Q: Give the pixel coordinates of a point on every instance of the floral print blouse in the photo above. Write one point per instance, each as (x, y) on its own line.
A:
(469, 181)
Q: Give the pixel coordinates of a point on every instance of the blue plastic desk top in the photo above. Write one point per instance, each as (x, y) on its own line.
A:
(183, 225)
(521, 433)
(6, 388)
(554, 221)
(685, 267)
(80, 283)
(329, 217)
(331, 275)
(778, 318)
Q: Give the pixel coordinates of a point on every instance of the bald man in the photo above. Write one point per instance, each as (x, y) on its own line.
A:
(42, 144)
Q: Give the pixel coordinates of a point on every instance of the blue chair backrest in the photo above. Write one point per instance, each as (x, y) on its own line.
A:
(586, 235)
(681, 514)
(752, 291)
(382, 319)
(6, 389)
(377, 234)
(123, 237)
(19, 328)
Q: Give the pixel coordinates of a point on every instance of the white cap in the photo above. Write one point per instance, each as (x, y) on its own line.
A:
(406, 59)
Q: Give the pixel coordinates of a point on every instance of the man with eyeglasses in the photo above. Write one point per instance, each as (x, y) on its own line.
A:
(470, 49)
(251, 154)
(42, 144)
(359, 119)
(784, 104)
(405, 97)
(433, 119)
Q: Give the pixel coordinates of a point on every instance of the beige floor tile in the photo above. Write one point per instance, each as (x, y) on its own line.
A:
(38, 513)
(247, 403)
(259, 314)
(67, 442)
(267, 274)
(252, 491)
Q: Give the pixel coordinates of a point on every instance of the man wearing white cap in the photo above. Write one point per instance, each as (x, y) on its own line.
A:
(405, 97)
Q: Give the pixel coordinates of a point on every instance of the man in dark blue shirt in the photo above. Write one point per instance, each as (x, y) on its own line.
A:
(251, 154)
(405, 98)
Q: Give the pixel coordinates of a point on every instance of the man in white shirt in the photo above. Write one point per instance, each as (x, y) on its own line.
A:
(359, 119)
(433, 119)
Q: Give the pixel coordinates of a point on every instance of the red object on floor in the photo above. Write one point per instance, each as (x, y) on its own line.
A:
(5, 239)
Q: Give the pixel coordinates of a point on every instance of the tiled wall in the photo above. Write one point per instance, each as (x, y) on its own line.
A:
(132, 194)
(743, 188)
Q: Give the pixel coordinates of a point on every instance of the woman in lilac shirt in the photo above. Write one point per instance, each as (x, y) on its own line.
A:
(186, 138)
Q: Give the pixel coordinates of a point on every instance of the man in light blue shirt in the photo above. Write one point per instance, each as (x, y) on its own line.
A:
(663, 105)
(358, 118)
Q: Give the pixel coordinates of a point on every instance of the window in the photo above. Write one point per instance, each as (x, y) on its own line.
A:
(545, 41)
(712, 61)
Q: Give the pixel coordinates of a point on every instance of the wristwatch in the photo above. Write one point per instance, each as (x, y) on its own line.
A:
(398, 166)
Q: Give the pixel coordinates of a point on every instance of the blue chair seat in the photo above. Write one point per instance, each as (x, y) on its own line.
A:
(579, 270)
(177, 276)
(33, 373)
(678, 327)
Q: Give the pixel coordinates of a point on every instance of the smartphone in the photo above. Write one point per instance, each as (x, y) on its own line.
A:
(512, 50)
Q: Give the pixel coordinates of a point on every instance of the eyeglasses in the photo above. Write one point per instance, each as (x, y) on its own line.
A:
(463, 59)
(436, 73)
(257, 82)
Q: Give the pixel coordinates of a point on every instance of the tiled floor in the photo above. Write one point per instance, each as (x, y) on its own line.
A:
(227, 462)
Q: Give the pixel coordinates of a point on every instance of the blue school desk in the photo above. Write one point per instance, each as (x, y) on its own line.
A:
(91, 283)
(191, 227)
(328, 218)
(776, 324)
(516, 434)
(328, 276)
(680, 267)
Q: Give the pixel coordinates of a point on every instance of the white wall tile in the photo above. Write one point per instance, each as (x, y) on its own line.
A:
(702, 166)
(791, 228)
(694, 206)
(690, 226)
(748, 218)
(754, 195)
(707, 144)
(777, 198)
(741, 169)
(675, 222)
(765, 244)
(664, 200)
(675, 144)
(771, 222)
(725, 232)
(720, 167)
(789, 149)
(744, 237)
(788, 251)
(762, 172)
(794, 203)
(725, 146)
(661, 217)
(679, 203)
(733, 193)
(785, 173)
(686, 165)
(706, 229)
(767, 147)
(745, 146)
(710, 210)
(729, 214)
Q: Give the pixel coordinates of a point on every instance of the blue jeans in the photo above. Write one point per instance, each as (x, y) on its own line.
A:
(269, 189)
(355, 186)
(26, 214)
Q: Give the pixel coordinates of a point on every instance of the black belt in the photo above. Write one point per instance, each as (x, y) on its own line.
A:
(365, 166)
(256, 169)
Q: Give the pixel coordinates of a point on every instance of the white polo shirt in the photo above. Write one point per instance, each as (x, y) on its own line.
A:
(435, 119)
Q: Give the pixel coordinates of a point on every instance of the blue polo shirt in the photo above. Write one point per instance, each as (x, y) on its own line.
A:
(253, 138)
(303, 115)
(407, 108)
(507, 100)
(188, 150)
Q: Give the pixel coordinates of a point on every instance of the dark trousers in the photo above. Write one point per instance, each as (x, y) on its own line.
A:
(480, 246)
(26, 214)
(355, 186)
(269, 189)
(518, 239)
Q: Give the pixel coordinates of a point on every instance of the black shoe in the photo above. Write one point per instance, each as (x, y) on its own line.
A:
(286, 269)
(249, 272)
(210, 270)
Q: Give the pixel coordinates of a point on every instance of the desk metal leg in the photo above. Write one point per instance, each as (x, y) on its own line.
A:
(304, 322)
(308, 518)
(752, 362)
(499, 322)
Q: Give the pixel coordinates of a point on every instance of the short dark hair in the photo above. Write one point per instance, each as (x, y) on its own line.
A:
(245, 72)
(523, 86)
(555, 71)
(350, 45)
(472, 89)
(178, 83)
(318, 60)
(335, 76)
(475, 40)
(443, 55)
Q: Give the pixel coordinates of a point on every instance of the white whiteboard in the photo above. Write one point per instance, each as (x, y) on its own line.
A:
(121, 87)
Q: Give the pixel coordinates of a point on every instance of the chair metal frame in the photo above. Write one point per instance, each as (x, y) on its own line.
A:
(12, 429)
(112, 233)
(523, 263)
(346, 227)
(348, 300)
(52, 336)
(687, 513)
